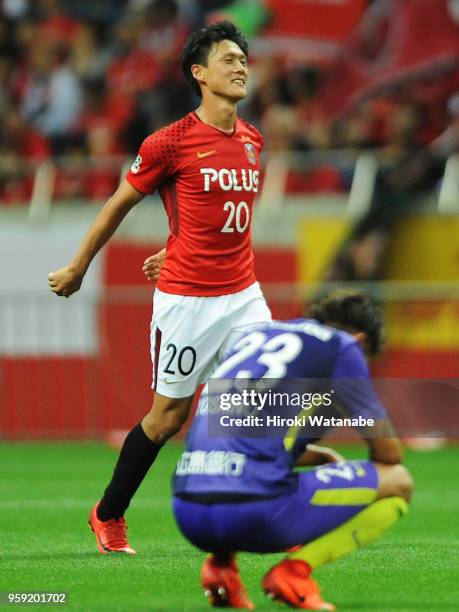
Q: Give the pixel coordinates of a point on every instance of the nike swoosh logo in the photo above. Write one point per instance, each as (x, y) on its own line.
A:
(205, 154)
(356, 539)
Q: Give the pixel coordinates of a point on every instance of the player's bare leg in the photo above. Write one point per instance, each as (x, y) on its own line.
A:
(166, 417)
(139, 451)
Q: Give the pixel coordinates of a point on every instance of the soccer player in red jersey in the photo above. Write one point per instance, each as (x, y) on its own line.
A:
(206, 169)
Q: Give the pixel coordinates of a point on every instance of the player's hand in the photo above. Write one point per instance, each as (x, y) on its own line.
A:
(325, 454)
(64, 281)
(153, 264)
(318, 455)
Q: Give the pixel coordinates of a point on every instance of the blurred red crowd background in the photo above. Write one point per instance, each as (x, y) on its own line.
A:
(83, 83)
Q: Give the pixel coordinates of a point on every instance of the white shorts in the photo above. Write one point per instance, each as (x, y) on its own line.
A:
(189, 335)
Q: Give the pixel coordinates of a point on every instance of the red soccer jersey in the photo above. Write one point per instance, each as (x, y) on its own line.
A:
(207, 180)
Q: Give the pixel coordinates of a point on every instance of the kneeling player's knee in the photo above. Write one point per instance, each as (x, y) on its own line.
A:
(395, 481)
(405, 483)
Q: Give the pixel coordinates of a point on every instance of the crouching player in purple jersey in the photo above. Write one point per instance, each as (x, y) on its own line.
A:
(235, 493)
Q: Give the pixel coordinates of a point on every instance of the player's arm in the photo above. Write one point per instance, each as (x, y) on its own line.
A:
(67, 280)
(384, 448)
(317, 455)
(356, 395)
(383, 444)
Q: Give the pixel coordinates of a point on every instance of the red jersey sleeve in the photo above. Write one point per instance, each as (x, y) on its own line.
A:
(154, 164)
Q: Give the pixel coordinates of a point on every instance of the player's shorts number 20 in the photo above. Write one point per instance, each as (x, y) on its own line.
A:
(182, 360)
(238, 217)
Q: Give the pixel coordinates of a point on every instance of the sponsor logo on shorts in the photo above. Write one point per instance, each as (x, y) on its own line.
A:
(136, 165)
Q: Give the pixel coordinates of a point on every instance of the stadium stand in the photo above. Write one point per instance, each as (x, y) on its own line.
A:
(359, 110)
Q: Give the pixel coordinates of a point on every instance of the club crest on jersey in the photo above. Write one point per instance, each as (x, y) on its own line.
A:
(250, 152)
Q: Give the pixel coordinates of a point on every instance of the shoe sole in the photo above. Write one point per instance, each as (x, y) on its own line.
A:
(217, 596)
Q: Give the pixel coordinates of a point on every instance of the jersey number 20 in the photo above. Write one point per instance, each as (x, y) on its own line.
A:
(238, 217)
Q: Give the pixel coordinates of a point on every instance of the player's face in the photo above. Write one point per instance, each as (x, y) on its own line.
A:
(226, 72)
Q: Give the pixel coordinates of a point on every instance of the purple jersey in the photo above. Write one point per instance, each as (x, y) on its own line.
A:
(236, 467)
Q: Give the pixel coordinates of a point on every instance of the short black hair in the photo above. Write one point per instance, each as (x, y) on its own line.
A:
(197, 47)
(351, 310)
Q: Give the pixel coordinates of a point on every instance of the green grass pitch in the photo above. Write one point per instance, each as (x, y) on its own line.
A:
(47, 490)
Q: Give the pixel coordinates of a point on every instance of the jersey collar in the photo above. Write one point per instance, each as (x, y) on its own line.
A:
(212, 127)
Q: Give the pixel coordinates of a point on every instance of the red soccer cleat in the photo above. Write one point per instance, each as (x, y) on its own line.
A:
(289, 582)
(110, 535)
(222, 584)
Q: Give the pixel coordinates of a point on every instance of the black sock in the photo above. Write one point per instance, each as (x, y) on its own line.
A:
(136, 456)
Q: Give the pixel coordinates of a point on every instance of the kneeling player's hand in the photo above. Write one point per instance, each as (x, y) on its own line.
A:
(153, 264)
(64, 281)
(318, 455)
